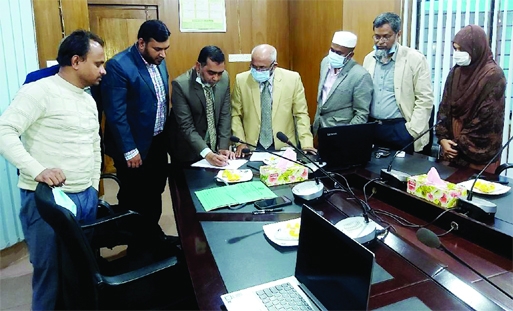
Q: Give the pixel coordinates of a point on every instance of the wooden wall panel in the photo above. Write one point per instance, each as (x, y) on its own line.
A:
(248, 23)
(75, 15)
(312, 24)
(118, 25)
(48, 29)
(358, 18)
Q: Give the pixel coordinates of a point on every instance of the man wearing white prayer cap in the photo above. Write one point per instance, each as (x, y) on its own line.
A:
(345, 87)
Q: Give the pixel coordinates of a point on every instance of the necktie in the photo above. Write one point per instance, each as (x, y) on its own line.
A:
(266, 131)
(211, 125)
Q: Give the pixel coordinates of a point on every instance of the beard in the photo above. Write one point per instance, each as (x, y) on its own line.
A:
(382, 55)
(147, 57)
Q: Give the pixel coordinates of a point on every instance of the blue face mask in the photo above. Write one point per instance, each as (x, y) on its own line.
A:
(260, 76)
(336, 61)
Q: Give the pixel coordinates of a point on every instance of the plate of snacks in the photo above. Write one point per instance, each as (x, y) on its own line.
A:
(485, 187)
(284, 233)
(233, 176)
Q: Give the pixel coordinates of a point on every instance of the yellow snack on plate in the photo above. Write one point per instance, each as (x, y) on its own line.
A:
(484, 186)
(231, 175)
(289, 232)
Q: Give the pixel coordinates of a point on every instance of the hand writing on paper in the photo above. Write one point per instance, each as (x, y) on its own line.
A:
(216, 159)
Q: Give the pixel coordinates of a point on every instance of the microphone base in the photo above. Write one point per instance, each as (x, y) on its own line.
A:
(477, 208)
(357, 229)
(396, 179)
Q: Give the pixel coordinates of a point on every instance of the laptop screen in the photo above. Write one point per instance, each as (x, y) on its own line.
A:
(344, 146)
(336, 269)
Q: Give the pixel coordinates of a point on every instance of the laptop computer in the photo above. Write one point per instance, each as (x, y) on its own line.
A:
(333, 272)
(345, 146)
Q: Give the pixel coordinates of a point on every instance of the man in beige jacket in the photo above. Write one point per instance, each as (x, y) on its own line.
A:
(403, 98)
(267, 100)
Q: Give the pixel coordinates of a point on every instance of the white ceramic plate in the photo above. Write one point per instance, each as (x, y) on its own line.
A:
(244, 175)
(499, 189)
(284, 233)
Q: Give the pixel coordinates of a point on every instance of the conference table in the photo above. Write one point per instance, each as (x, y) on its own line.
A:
(226, 250)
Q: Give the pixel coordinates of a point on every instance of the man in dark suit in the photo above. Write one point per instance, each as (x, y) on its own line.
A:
(201, 117)
(135, 95)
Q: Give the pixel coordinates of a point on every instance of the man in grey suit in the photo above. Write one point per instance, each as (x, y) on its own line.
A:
(345, 87)
(201, 113)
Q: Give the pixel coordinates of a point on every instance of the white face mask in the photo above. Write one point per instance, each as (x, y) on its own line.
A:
(461, 58)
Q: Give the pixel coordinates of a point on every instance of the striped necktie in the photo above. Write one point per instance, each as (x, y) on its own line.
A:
(266, 131)
(211, 125)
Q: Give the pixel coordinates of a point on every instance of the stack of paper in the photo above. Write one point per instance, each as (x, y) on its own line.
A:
(233, 195)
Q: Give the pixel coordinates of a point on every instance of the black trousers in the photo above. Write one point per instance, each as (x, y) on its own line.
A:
(141, 188)
(393, 134)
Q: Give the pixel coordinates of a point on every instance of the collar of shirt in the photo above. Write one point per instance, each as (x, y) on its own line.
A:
(148, 65)
(271, 81)
(198, 79)
(392, 52)
(334, 71)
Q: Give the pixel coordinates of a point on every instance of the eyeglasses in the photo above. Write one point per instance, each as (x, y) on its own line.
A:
(384, 38)
(262, 68)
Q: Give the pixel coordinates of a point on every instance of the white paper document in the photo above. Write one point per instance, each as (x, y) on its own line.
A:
(263, 156)
(232, 164)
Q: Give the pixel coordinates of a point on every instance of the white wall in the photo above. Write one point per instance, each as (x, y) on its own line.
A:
(18, 56)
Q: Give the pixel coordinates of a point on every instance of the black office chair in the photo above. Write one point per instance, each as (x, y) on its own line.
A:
(503, 167)
(151, 276)
(431, 149)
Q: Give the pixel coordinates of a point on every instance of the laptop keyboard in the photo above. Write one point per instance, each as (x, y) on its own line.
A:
(282, 297)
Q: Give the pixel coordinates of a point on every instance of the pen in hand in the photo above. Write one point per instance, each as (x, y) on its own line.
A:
(267, 211)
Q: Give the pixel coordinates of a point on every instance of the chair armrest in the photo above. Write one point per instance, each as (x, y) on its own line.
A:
(141, 272)
(503, 167)
(109, 219)
(110, 176)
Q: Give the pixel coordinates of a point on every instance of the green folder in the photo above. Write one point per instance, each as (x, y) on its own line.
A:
(232, 195)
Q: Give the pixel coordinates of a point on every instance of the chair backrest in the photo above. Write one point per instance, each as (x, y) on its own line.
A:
(427, 150)
(79, 272)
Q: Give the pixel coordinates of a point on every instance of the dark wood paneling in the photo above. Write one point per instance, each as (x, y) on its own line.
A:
(75, 15)
(48, 29)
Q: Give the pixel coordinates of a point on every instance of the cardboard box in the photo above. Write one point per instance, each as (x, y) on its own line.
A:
(444, 196)
(272, 175)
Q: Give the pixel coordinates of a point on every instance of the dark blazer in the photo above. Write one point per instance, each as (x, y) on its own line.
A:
(188, 120)
(130, 103)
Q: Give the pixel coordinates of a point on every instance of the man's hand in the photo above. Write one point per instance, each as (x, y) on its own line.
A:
(449, 148)
(134, 162)
(238, 152)
(216, 159)
(310, 150)
(52, 177)
(227, 153)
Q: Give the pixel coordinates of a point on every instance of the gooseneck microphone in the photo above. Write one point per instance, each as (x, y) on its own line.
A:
(359, 228)
(236, 139)
(394, 177)
(430, 239)
(284, 139)
(480, 208)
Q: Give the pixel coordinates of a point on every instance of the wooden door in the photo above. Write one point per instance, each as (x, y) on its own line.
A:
(118, 26)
